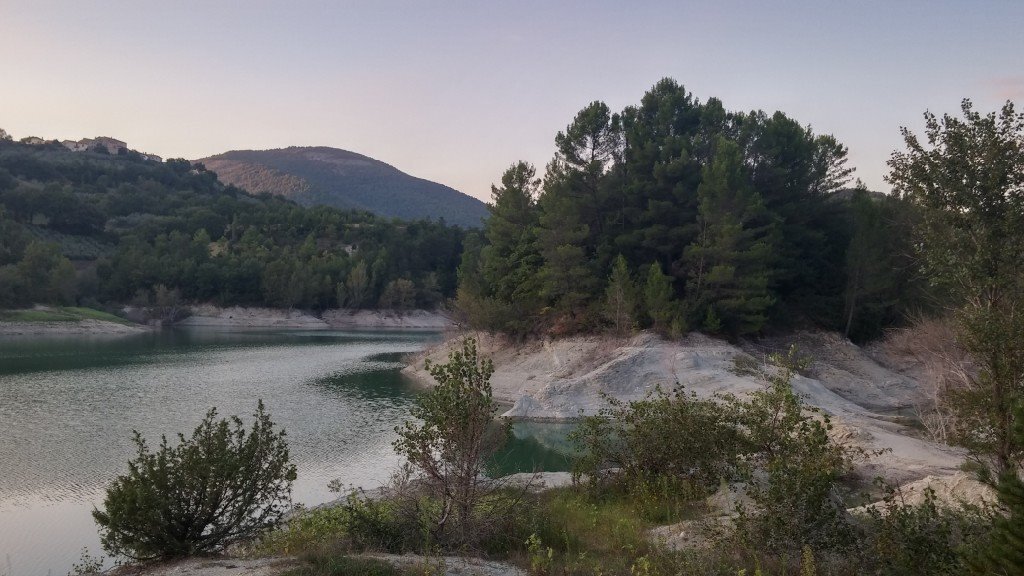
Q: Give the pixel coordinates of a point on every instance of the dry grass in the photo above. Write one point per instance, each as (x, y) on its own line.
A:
(929, 349)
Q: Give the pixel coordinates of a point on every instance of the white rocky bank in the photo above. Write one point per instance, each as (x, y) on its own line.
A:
(566, 378)
(210, 316)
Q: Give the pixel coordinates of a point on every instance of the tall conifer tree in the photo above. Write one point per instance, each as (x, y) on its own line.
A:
(620, 297)
(730, 262)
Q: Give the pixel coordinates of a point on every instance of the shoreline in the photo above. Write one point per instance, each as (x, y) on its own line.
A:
(560, 380)
(207, 315)
(87, 327)
(240, 318)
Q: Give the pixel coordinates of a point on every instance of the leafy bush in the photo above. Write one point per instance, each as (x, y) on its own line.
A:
(448, 442)
(921, 539)
(792, 470)
(672, 446)
(632, 437)
(222, 485)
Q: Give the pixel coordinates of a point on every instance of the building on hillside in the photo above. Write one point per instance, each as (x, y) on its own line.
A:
(78, 145)
(152, 158)
(33, 140)
(113, 145)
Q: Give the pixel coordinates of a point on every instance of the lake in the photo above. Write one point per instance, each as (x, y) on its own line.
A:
(68, 407)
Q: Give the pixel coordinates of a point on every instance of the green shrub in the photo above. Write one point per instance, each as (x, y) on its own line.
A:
(926, 538)
(448, 441)
(792, 471)
(222, 485)
(665, 437)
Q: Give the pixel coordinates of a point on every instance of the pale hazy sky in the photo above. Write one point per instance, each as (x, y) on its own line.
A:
(457, 91)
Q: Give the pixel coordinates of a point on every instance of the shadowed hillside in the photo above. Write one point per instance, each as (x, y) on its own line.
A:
(333, 177)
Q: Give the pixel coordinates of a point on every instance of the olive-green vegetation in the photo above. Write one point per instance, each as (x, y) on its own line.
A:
(92, 228)
(58, 314)
(447, 441)
(222, 485)
(727, 222)
(768, 446)
(956, 219)
(968, 179)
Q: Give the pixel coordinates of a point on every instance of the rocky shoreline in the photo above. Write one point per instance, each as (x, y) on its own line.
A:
(88, 327)
(240, 318)
(207, 315)
(563, 379)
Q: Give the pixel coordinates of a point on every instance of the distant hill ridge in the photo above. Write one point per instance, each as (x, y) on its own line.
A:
(334, 177)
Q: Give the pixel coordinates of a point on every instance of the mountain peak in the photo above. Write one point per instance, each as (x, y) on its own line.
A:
(344, 179)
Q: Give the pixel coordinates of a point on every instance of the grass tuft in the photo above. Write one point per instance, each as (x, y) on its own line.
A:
(59, 314)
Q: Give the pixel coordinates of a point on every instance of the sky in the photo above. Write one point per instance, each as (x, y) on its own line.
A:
(455, 92)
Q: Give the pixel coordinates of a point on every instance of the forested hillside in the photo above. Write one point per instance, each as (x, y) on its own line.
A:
(343, 179)
(93, 228)
(681, 215)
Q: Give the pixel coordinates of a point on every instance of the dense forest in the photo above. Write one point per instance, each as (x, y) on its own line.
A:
(92, 228)
(679, 215)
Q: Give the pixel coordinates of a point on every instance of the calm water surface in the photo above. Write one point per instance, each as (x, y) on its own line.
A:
(68, 407)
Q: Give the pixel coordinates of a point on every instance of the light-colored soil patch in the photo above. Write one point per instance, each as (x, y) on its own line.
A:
(387, 319)
(208, 315)
(213, 567)
(450, 565)
(81, 327)
(953, 491)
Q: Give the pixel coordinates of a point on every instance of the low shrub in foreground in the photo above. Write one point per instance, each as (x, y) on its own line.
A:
(222, 485)
(926, 538)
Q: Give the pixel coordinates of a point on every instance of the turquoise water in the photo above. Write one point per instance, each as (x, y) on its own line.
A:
(68, 407)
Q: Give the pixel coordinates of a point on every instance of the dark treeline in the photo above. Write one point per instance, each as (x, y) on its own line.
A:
(679, 215)
(89, 227)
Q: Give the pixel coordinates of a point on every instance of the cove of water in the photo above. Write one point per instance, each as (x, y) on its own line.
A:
(68, 407)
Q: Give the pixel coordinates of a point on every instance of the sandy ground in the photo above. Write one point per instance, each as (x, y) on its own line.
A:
(441, 566)
(82, 327)
(566, 378)
(411, 320)
(207, 315)
(212, 567)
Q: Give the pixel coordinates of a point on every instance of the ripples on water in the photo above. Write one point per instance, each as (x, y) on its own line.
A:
(68, 408)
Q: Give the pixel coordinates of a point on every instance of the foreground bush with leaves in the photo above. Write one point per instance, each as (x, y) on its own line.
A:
(222, 485)
(447, 443)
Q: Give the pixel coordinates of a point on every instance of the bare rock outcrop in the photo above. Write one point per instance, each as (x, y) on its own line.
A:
(566, 378)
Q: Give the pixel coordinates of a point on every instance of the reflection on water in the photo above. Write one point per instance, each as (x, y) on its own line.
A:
(68, 407)
(534, 447)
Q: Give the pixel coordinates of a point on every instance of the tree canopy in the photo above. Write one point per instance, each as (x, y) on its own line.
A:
(748, 216)
(91, 227)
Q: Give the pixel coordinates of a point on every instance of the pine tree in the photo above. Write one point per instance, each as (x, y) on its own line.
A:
(567, 276)
(659, 304)
(574, 210)
(620, 298)
(794, 172)
(509, 263)
(730, 262)
(658, 206)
